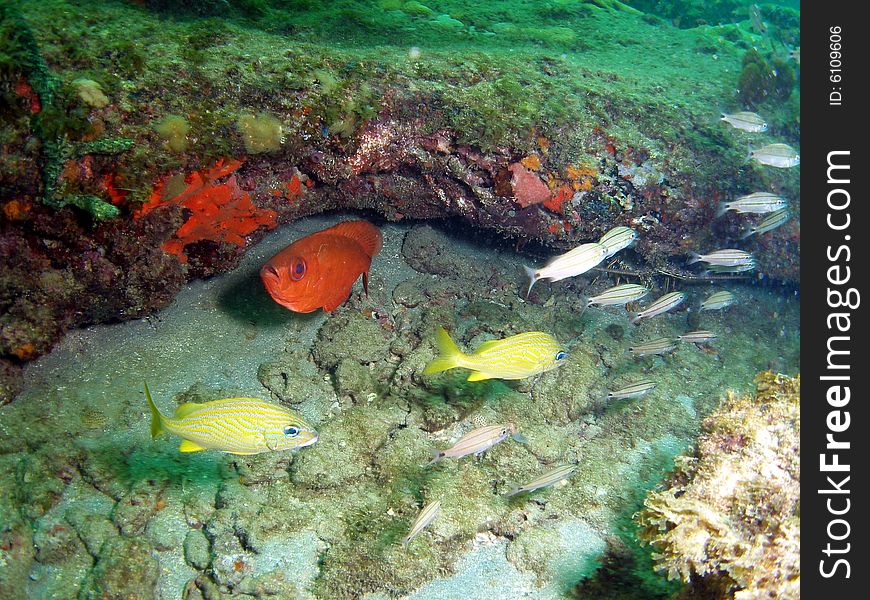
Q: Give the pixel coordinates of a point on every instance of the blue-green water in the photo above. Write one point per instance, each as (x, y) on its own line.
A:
(479, 139)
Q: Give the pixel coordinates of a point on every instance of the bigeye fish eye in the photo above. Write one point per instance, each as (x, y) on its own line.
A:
(562, 354)
(297, 269)
(291, 431)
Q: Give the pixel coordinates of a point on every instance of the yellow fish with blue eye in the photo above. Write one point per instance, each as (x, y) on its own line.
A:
(515, 357)
(234, 425)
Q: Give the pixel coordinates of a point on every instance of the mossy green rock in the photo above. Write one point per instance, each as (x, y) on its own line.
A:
(126, 568)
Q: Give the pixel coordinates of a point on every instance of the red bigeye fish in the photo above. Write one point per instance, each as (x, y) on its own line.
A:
(319, 270)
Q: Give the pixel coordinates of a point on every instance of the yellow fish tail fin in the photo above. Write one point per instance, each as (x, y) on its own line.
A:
(157, 427)
(449, 355)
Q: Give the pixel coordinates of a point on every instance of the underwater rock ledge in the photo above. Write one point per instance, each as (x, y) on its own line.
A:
(198, 162)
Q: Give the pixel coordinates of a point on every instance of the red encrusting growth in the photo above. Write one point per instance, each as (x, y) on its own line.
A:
(556, 202)
(25, 90)
(528, 188)
(117, 196)
(220, 211)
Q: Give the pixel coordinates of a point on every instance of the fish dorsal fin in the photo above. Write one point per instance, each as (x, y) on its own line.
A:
(367, 235)
(185, 409)
(478, 376)
(487, 346)
(188, 446)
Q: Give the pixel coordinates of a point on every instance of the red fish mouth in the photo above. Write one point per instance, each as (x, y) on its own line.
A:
(270, 271)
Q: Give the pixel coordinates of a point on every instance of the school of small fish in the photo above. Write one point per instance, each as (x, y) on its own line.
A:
(318, 272)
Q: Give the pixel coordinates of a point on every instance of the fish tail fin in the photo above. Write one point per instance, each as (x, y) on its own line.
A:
(749, 152)
(747, 231)
(515, 489)
(584, 300)
(366, 282)
(530, 273)
(693, 258)
(633, 317)
(406, 540)
(157, 427)
(436, 456)
(722, 209)
(449, 354)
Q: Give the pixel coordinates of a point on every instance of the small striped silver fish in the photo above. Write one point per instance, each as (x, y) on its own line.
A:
(515, 357)
(661, 305)
(572, 263)
(741, 268)
(747, 121)
(718, 301)
(656, 346)
(632, 390)
(700, 336)
(426, 515)
(477, 441)
(729, 257)
(618, 295)
(757, 202)
(551, 477)
(234, 425)
(769, 223)
(618, 239)
(782, 156)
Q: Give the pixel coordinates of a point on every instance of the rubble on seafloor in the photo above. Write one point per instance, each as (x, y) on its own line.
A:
(732, 511)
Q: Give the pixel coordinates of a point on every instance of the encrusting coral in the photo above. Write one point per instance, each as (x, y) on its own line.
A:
(218, 211)
(733, 509)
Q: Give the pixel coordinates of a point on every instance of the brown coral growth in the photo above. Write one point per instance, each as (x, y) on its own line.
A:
(733, 509)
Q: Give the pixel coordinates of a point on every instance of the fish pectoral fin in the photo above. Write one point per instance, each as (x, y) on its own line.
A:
(185, 409)
(188, 446)
(478, 376)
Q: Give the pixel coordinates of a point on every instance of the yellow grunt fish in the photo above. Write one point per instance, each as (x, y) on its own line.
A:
(234, 425)
(515, 357)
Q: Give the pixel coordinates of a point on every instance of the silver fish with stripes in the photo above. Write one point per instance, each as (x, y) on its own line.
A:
(746, 121)
(553, 476)
(661, 305)
(618, 238)
(701, 336)
(478, 441)
(632, 390)
(656, 346)
(233, 425)
(781, 156)
(427, 515)
(729, 257)
(740, 268)
(758, 203)
(619, 295)
(574, 262)
(718, 301)
(769, 223)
